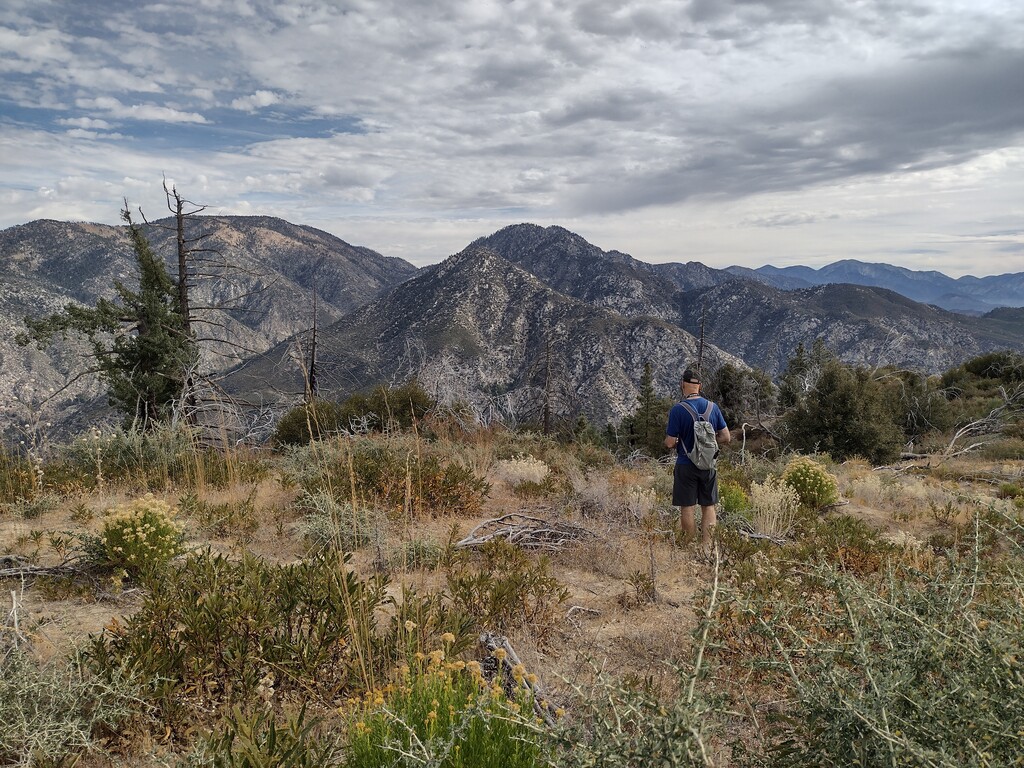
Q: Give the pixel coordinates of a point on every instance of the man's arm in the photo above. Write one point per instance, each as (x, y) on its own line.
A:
(670, 441)
(723, 436)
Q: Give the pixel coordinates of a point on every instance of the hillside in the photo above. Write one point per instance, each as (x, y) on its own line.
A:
(481, 328)
(255, 289)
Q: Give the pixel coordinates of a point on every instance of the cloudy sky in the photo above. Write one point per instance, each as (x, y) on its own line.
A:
(723, 131)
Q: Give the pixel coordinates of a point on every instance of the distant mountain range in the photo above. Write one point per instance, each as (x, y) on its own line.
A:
(968, 294)
(523, 311)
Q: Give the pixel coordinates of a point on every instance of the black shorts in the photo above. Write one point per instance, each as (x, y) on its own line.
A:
(692, 486)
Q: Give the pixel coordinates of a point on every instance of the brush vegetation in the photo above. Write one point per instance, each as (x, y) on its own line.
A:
(314, 602)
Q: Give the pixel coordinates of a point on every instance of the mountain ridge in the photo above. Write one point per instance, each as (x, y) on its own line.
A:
(486, 313)
(966, 294)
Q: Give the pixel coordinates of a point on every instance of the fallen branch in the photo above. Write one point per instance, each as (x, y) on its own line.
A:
(526, 532)
(761, 536)
(12, 566)
(503, 666)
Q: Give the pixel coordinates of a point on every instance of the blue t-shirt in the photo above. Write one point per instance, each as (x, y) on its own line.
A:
(680, 424)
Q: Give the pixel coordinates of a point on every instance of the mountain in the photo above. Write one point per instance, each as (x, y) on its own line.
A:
(523, 309)
(480, 328)
(750, 319)
(255, 289)
(862, 325)
(968, 294)
(609, 279)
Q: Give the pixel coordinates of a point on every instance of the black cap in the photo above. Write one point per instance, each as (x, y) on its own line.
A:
(690, 376)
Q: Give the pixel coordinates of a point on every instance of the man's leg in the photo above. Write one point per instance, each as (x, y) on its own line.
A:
(687, 523)
(708, 520)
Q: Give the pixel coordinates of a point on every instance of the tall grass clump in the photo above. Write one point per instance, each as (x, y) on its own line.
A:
(398, 474)
(156, 459)
(445, 714)
(773, 507)
(17, 477)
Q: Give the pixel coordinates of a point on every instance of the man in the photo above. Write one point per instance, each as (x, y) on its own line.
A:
(692, 485)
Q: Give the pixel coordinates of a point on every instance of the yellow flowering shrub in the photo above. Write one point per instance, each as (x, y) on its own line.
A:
(448, 714)
(812, 482)
(141, 534)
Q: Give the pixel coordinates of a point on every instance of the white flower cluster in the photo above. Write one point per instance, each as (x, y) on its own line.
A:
(141, 533)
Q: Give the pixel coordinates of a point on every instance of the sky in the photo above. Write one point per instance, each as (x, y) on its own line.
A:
(743, 132)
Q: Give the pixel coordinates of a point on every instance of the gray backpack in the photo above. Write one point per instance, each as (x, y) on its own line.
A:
(705, 447)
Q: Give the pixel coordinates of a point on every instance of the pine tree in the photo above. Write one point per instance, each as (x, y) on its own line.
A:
(139, 340)
(647, 425)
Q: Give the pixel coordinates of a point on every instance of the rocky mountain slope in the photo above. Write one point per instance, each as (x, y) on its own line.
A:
(481, 329)
(255, 288)
(757, 322)
(864, 325)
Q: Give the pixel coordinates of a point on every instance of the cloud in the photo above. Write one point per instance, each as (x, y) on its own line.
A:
(85, 122)
(116, 109)
(789, 219)
(255, 101)
(768, 120)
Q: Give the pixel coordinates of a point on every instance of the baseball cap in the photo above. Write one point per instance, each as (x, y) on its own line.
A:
(690, 376)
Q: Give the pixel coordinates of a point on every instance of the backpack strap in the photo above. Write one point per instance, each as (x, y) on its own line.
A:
(706, 416)
(691, 409)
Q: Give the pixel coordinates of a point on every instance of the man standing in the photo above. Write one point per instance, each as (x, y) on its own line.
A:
(693, 485)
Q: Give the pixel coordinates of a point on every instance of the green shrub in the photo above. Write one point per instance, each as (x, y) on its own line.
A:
(816, 487)
(623, 726)
(309, 421)
(1005, 449)
(387, 408)
(209, 632)
(1010, 491)
(256, 740)
(911, 672)
(733, 498)
(330, 526)
(444, 714)
(141, 535)
(848, 413)
(505, 589)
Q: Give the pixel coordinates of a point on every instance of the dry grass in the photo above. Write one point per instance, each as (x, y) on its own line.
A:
(627, 506)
